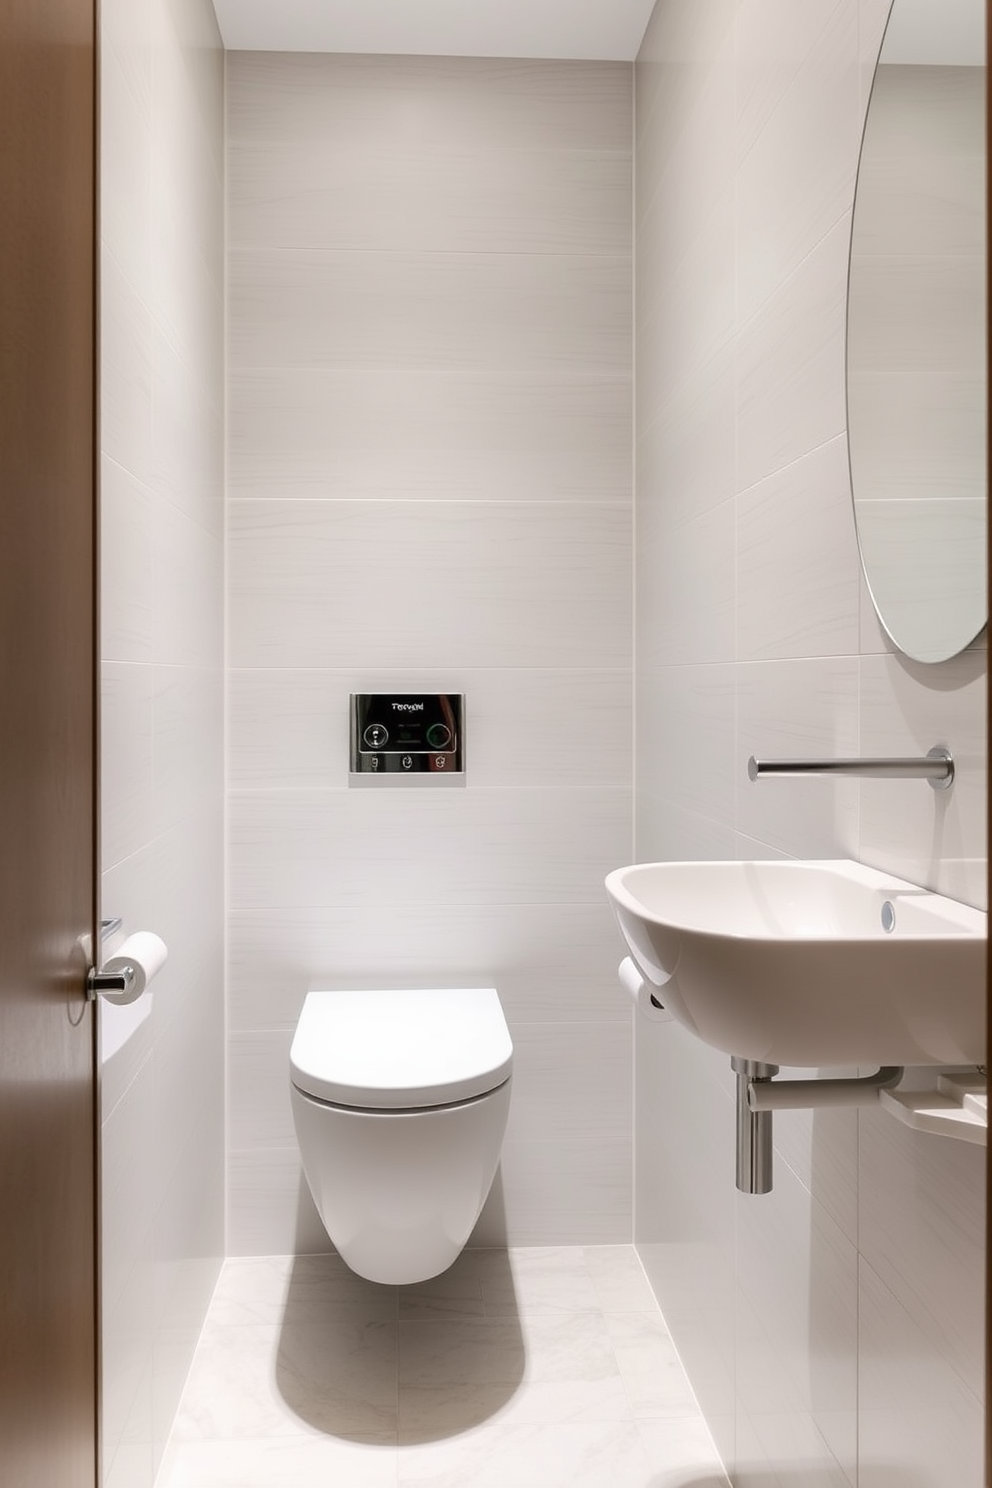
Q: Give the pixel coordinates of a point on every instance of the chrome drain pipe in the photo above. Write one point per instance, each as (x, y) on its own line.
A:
(754, 1129)
(758, 1095)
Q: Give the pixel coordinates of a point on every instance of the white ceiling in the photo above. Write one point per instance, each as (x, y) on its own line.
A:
(579, 29)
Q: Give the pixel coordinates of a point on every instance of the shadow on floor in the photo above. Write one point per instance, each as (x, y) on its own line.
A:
(412, 1364)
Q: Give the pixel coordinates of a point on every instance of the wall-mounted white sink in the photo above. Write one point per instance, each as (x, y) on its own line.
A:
(816, 963)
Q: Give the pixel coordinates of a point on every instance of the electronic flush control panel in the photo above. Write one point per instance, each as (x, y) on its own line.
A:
(396, 736)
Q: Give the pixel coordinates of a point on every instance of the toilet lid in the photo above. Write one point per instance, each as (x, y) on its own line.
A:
(396, 1050)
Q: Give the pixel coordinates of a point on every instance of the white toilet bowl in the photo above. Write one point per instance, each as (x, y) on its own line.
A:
(400, 1100)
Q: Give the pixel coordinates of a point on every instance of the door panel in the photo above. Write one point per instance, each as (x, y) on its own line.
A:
(47, 817)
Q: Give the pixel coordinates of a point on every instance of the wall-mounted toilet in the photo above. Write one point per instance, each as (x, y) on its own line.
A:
(400, 1100)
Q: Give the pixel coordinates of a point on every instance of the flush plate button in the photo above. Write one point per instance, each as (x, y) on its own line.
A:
(407, 738)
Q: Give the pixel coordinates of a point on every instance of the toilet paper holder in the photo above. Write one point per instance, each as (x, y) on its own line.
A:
(125, 975)
(120, 983)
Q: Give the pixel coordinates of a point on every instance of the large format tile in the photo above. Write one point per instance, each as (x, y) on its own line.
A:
(679, 704)
(935, 838)
(483, 102)
(804, 710)
(265, 1381)
(467, 311)
(565, 1192)
(332, 584)
(685, 588)
(797, 560)
(291, 850)
(922, 1231)
(290, 1462)
(524, 1366)
(918, 1423)
(681, 180)
(797, 1325)
(306, 192)
(548, 962)
(796, 181)
(289, 727)
(791, 364)
(407, 434)
(574, 1455)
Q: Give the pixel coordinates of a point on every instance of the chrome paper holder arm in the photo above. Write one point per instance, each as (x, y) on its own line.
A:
(937, 768)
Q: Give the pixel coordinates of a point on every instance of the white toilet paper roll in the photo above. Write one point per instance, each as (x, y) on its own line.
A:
(144, 953)
(646, 996)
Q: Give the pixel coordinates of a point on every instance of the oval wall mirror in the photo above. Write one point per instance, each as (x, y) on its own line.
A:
(916, 329)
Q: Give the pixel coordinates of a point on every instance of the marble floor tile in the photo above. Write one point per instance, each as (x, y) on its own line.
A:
(650, 1366)
(682, 1454)
(581, 1455)
(533, 1368)
(261, 1380)
(301, 1462)
(618, 1279)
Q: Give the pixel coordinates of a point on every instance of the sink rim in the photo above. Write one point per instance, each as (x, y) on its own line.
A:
(963, 921)
(829, 997)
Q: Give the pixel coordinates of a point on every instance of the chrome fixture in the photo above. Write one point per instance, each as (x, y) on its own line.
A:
(759, 1094)
(937, 768)
(400, 738)
(754, 1128)
(123, 977)
(799, 1095)
(119, 985)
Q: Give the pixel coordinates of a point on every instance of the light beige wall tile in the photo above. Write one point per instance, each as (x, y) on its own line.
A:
(775, 41)
(550, 1081)
(126, 340)
(405, 310)
(797, 560)
(821, 1148)
(686, 319)
(354, 847)
(791, 365)
(259, 1113)
(162, 643)
(799, 710)
(302, 193)
(446, 585)
(698, 702)
(682, 178)
(673, 65)
(687, 448)
(548, 962)
(916, 1418)
(127, 565)
(127, 695)
(438, 435)
(796, 181)
(797, 1315)
(428, 101)
(685, 588)
(269, 1208)
(555, 1192)
(521, 727)
(922, 1231)
(685, 1227)
(937, 838)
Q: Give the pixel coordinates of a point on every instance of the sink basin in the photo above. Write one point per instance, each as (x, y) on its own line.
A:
(816, 963)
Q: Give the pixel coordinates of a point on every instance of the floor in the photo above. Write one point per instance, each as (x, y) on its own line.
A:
(533, 1368)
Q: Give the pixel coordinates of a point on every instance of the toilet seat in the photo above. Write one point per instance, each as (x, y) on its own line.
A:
(400, 1050)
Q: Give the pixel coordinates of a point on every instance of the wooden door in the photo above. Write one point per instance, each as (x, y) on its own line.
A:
(47, 755)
